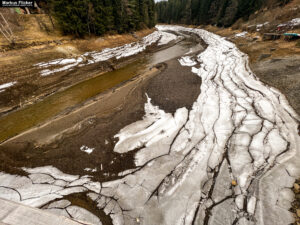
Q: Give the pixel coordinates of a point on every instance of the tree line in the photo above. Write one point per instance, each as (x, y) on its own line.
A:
(82, 17)
(217, 12)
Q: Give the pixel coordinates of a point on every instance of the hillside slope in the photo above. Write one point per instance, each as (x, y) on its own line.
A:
(219, 12)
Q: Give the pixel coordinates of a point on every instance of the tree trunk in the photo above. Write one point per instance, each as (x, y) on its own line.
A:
(50, 17)
(27, 10)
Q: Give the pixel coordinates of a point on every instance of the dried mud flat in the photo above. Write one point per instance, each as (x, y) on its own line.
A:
(226, 155)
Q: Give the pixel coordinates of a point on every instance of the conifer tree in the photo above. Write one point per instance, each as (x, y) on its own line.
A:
(219, 12)
(82, 17)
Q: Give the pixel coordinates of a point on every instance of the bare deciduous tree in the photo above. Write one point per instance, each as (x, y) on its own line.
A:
(6, 30)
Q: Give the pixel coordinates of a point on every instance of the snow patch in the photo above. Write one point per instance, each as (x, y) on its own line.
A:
(91, 170)
(87, 58)
(166, 38)
(86, 149)
(187, 61)
(242, 34)
(7, 85)
(295, 22)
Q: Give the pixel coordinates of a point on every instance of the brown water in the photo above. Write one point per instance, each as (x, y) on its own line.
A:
(21, 120)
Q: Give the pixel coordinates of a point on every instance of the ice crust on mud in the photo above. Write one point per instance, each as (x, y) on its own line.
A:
(231, 159)
(187, 61)
(238, 130)
(106, 54)
(48, 185)
(167, 38)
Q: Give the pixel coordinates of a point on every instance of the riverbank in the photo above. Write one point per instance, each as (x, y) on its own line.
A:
(121, 101)
(96, 121)
(20, 67)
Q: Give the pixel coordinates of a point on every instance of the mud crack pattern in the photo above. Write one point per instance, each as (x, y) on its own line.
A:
(231, 159)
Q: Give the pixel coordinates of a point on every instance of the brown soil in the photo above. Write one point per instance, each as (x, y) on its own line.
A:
(296, 204)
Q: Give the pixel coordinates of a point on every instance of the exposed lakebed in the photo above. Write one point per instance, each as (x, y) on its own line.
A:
(187, 157)
(32, 115)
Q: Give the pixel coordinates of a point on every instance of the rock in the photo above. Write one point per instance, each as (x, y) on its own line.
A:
(264, 56)
(271, 36)
(297, 188)
(298, 212)
(272, 49)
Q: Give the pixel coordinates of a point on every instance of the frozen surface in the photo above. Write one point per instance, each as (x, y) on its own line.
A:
(46, 185)
(293, 22)
(219, 166)
(81, 214)
(91, 170)
(259, 26)
(59, 204)
(167, 38)
(187, 61)
(231, 159)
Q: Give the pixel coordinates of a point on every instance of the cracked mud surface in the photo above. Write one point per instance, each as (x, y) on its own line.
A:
(231, 158)
(282, 73)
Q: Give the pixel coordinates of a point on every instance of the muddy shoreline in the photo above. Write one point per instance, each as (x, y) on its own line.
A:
(95, 122)
(58, 142)
(31, 86)
(120, 71)
(38, 88)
